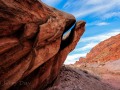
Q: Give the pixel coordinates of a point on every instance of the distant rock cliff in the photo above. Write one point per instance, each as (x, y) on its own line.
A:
(104, 51)
(32, 47)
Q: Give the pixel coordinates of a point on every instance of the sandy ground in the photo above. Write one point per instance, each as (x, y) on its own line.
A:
(109, 72)
(75, 79)
(112, 79)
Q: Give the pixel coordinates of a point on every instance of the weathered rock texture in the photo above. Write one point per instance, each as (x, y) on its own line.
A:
(71, 78)
(32, 47)
(104, 51)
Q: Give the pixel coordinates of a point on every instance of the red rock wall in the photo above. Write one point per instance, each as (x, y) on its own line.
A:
(104, 51)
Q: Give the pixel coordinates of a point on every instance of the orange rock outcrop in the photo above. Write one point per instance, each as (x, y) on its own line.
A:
(105, 51)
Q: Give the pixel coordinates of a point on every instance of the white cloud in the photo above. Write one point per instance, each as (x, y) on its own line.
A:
(71, 59)
(51, 2)
(90, 11)
(86, 47)
(101, 37)
(74, 56)
(85, 7)
(94, 2)
(110, 15)
(66, 4)
(102, 24)
(97, 23)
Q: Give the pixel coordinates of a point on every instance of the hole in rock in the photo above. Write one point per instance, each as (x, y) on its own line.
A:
(67, 37)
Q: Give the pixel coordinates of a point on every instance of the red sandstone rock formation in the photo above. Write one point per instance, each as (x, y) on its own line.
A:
(32, 47)
(104, 51)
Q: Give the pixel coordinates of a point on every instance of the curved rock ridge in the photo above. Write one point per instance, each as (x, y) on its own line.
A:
(32, 48)
(105, 51)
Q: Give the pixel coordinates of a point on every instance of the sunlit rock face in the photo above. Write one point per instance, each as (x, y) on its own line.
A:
(32, 47)
(104, 51)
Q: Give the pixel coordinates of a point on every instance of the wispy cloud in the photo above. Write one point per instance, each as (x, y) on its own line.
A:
(110, 15)
(86, 47)
(51, 2)
(102, 24)
(101, 37)
(81, 13)
(83, 8)
(74, 57)
(96, 23)
(94, 40)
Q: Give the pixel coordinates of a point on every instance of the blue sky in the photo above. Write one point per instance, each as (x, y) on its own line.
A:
(102, 21)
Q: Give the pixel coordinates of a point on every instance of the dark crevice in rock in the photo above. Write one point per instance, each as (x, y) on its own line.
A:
(67, 32)
(13, 31)
(68, 38)
(19, 32)
(32, 60)
(69, 25)
(50, 84)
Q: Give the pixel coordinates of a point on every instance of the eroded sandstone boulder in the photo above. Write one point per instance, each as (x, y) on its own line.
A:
(32, 47)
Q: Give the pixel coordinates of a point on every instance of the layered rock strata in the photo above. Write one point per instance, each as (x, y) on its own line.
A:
(105, 51)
